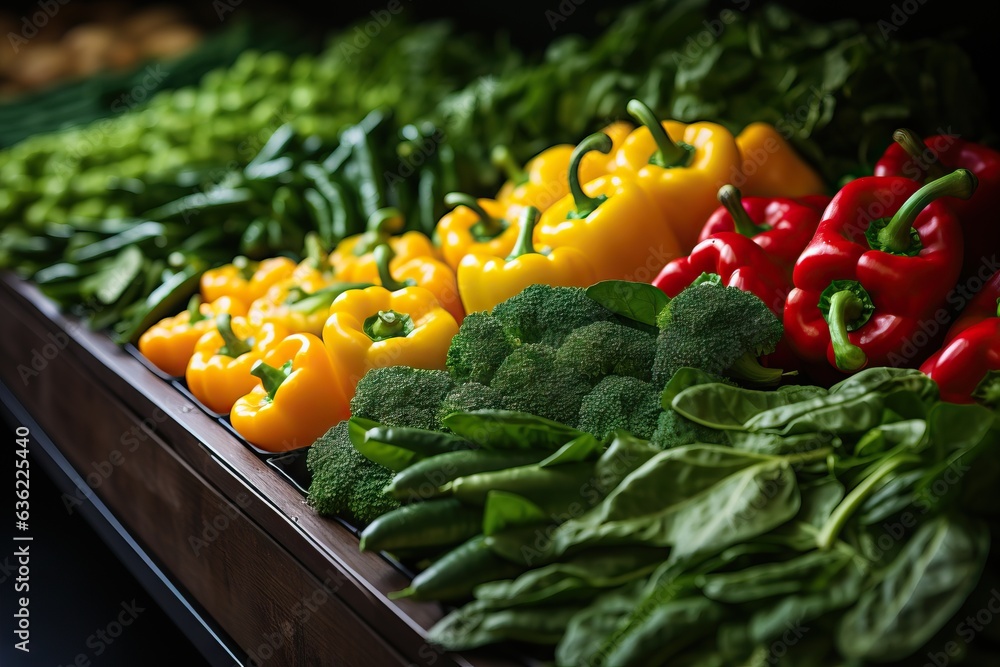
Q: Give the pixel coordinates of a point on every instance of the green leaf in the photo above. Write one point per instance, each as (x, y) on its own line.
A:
(505, 429)
(773, 579)
(637, 301)
(920, 590)
(726, 407)
(506, 510)
(697, 499)
(579, 449)
(478, 624)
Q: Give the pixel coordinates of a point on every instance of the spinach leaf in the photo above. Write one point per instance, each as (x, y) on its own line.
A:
(479, 623)
(636, 301)
(772, 579)
(918, 592)
(696, 499)
(724, 407)
(505, 510)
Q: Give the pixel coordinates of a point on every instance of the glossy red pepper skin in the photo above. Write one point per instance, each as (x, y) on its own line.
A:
(914, 286)
(971, 351)
(905, 291)
(737, 260)
(980, 214)
(981, 307)
(789, 224)
(966, 360)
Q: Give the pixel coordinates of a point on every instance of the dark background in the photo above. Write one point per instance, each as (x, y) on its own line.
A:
(77, 582)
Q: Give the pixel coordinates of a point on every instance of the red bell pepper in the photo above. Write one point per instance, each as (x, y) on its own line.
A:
(927, 159)
(884, 258)
(782, 226)
(967, 368)
(737, 260)
(981, 307)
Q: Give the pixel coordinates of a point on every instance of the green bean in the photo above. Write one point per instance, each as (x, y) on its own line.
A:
(458, 572)
(432, 523)
(425, 478)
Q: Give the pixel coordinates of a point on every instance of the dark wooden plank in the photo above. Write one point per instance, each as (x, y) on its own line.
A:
(323, 547)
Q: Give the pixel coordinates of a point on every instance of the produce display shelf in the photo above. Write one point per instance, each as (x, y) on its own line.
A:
(226, 528)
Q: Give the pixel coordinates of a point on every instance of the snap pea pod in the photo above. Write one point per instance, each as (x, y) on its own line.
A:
(142, 233)
(279, 140)
(425, 478)
(198, 202)
(432, 523)
(342, 221)
(458, 572)
(555, 489)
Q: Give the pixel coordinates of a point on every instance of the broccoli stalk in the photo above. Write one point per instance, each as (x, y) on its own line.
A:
(720, 330)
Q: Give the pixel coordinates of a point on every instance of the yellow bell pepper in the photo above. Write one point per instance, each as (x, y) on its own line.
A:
(376, 327)
(681, 167)
(300, 307)
(219, 370)
(771, 167)
(544, 182)
(395, 273)
(299, 397)
(245, 280)
(483, 226)
(612, 221)
(169, 343)
(484, 280)
(352, 259)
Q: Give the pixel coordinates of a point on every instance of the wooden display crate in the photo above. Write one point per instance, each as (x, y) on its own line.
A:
(286, 585)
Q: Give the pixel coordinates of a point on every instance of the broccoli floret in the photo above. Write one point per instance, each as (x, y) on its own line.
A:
(402, 396)
(344, 482)
(620, 402)
(674, 430)
(468, 397)
(477, 349)
(606, 348)
(720, 330)
(546, 314)
(530, 380)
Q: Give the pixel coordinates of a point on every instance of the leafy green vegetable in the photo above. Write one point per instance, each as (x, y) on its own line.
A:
(637, 301)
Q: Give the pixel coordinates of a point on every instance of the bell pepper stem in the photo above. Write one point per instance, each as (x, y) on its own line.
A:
(998, 307)
(487, 224)
(389, 323)
(524, 244)
(383, 255)
(245, 266)
(668, 153)
(270, 377)
(914, 145)
(194, 309)
(232, 345)
(309, 303)
(845, 305)
(729, 196)
(895, 236)
(502, 158)
(749, 369)
(381, 224)
(584, 203)
(987, 392)
(315, 253)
